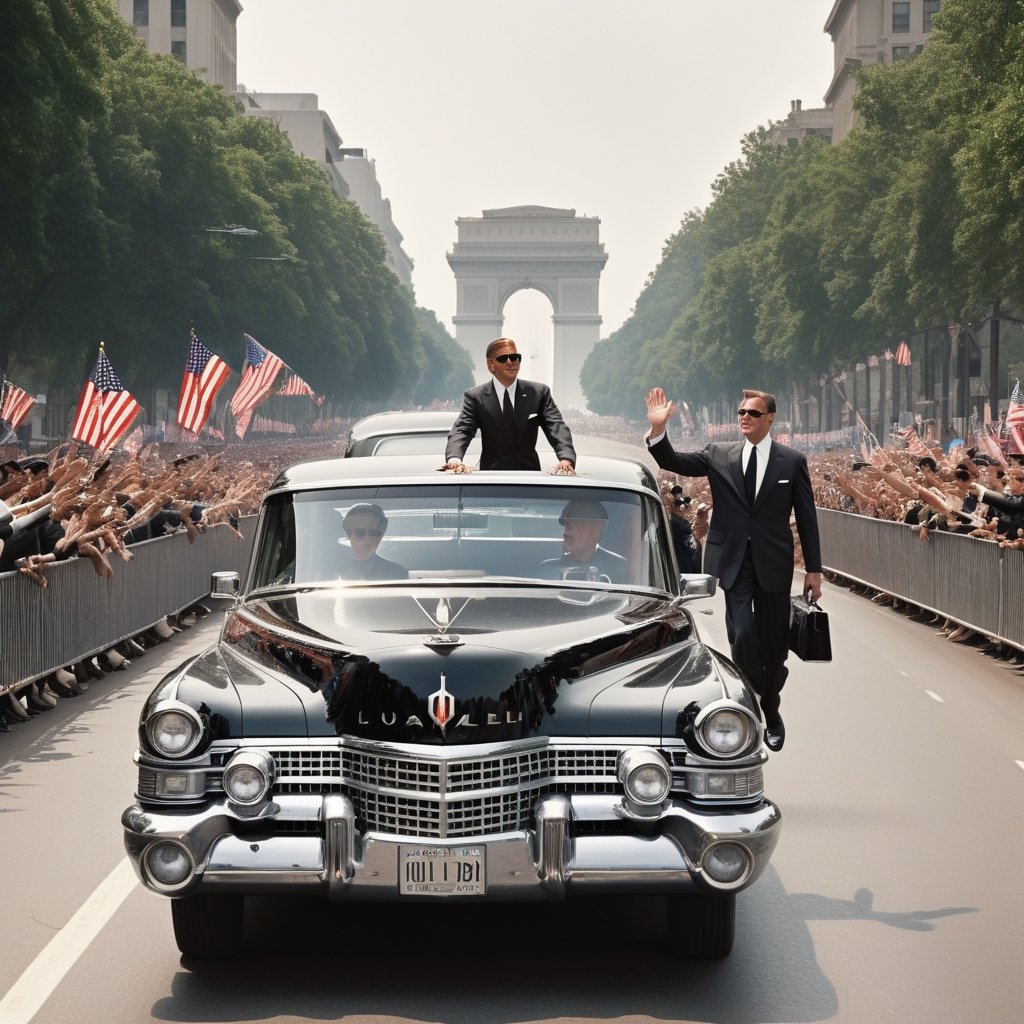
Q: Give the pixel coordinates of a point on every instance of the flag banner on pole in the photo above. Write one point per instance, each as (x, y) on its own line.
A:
(261, 368)
(105, 409)
(295, 385)
(265, 425)
(1015, 417)
(15, 404)
(204, 376)
(903, 353)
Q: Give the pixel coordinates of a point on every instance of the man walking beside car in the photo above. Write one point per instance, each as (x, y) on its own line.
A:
(508, 413)
(756, 483)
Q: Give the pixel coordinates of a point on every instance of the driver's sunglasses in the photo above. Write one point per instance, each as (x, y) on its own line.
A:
(755, 413)
(360, 532)
(514, 357)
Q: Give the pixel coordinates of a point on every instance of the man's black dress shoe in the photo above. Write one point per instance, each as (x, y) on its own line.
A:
(775, 734)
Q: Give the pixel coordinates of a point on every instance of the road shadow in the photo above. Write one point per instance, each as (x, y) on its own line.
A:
(596, 958)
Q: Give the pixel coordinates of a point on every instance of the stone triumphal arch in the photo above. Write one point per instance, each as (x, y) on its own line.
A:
(552, 251)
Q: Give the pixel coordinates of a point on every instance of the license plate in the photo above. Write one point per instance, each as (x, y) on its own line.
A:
(442, 870)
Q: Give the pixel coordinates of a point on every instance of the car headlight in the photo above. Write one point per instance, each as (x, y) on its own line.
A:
(726, 729)
(249, 776)
(174, 729)
(645, 775)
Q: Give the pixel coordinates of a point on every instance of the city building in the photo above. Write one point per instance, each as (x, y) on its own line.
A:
(200, 33)
(800, 124)
(871, 32)
(352, 174)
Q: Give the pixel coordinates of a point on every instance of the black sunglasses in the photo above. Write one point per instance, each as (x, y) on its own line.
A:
(360, 532)
(514, 357)
(756, 413)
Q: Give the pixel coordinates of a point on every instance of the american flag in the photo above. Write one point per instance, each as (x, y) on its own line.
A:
(15, 405)
(903, 353)
(105, 409)
(1015, 417)
(295, 385)
(261, 367)
(205, 373)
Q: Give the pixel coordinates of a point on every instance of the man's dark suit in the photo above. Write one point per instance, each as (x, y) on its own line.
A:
(750, 550)
(534, 409)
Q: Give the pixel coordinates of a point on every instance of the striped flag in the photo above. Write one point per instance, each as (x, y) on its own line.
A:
(15, 405)
(261, 368)
(295, 385)
(105, 410)
(903, 353)
(1015, 417)
(205, 373)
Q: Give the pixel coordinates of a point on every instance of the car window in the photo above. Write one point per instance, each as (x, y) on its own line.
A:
(580, 535)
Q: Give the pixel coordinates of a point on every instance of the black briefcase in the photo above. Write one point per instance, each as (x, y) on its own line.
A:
(809, 637)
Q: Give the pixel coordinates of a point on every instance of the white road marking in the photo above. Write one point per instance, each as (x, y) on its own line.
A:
(935, 696)
(48, 969)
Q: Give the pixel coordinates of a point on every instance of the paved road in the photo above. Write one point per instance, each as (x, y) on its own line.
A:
(894, 894)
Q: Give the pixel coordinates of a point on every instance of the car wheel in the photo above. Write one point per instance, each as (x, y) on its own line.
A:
(701, 924)
(208, 925)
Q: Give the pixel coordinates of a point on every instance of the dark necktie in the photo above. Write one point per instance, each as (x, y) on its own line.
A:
(750, 476)
(508, 416)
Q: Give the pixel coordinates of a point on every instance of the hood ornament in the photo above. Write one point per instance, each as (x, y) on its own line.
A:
(442, 620)
(441, 706)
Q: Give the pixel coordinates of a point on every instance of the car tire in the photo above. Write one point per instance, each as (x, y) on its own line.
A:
(701, 925)
(208, 925)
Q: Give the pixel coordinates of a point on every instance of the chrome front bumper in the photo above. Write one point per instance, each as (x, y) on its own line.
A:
(557, 857)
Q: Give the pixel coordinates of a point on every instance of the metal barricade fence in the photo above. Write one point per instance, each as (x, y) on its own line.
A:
(970, 580)
(80, 613)
(975, 582)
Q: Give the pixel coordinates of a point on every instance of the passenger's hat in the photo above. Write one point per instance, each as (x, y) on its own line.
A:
(582, 508)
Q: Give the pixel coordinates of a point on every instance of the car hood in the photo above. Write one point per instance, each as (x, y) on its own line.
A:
(459, 665)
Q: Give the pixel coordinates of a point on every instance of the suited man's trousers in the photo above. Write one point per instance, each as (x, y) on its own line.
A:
(757, 625)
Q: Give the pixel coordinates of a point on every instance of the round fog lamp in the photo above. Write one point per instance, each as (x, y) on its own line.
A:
(248, 776)
(168, 863)
(645, 776)
(727, 863)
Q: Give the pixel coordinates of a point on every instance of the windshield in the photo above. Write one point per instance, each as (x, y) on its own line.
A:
(585, 535)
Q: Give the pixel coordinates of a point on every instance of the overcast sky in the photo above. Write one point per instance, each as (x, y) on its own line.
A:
(621, 109)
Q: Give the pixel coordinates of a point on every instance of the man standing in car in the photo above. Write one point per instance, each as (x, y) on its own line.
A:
(508, 413)
(756, 483)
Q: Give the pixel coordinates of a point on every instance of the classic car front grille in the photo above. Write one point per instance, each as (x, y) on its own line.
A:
(423, 797)
(411, 794)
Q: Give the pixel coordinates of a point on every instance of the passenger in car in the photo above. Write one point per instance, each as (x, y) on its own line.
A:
(583, 524)
(365, 525)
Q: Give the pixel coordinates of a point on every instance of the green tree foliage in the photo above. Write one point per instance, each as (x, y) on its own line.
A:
(120, 162)
(809, 258)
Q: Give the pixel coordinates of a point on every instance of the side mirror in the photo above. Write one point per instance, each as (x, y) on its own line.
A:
(698, 584)
(224, 585)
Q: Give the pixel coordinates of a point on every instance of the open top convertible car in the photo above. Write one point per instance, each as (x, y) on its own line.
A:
(440, 687)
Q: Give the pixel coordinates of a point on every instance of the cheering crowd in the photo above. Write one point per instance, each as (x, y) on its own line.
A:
(79, 503)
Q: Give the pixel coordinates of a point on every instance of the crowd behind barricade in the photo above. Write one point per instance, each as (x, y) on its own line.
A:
(75, 502)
